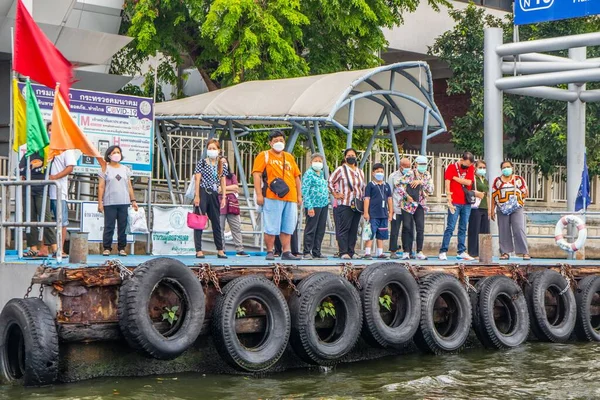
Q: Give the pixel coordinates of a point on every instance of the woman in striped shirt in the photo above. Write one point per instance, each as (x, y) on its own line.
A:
(347, 185)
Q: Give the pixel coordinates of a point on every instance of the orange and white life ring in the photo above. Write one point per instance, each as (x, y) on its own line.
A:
(581, 233)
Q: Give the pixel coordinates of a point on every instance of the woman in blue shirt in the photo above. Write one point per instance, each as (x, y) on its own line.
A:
(316, 207)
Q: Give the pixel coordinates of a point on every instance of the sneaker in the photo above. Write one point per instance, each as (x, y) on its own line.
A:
(290, 257)
(320, 257)
(465, 256)
(443, 257)
(382, 256)
(406, 256)
(394, 256)
(356, 257)
(307, 257)
(242, 254)
(367, 257)
(346, 257)
(421, 256)
(270, 256)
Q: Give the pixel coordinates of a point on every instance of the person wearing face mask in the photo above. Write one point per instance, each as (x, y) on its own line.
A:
(210, 176)
(458, 178)
(414, 188)
(378, 211)
(316, 206)
(115, 194)
(347, 185)
(509, 192)
(479, 221)
(231, 212)
(277, 189)
(394, 181)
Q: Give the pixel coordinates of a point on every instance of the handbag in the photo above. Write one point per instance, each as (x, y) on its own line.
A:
(512, 204)
(477, 199)
(356, 204)
(232, 204)
(277, 185)
(197, 221)
(469, 194)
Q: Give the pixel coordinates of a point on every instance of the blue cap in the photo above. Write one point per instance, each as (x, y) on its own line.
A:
(421, 160)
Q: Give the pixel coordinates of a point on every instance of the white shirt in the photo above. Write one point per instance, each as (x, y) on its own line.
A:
(393, 181)
(59, 164)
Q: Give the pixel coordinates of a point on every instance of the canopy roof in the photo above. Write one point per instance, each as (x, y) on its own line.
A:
(404, 89)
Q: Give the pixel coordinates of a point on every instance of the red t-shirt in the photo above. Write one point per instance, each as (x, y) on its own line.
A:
(458, 195)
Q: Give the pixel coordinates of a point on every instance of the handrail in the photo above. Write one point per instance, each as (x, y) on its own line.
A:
(19, 223)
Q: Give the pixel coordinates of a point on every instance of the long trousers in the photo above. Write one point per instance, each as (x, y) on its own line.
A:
(409, 222)
(511, 232)
(36, 214)
(347, 229)
(115, 214)
(235, 226)
(395, 233)
(209, 205)
(479, 222)
(314, 231)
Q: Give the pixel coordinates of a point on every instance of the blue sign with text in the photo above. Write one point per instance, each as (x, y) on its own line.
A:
(534, 11)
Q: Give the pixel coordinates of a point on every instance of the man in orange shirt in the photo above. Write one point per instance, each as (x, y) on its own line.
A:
(279, 193)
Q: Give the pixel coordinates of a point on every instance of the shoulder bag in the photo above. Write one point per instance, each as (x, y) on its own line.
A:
(197, 220)
(512, 204)
(477, 199)
(357, 205)
(469, 194)
(277, 185)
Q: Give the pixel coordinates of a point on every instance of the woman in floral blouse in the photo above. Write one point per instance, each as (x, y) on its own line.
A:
(316, 207)
(414, 186)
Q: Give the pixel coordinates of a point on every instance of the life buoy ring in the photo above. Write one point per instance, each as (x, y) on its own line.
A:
(581, 235)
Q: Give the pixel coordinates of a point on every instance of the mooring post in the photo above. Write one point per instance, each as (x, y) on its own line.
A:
(78, 248)
(492, 112)
(486, 248)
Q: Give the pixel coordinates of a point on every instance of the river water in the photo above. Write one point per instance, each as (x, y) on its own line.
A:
(534, 370)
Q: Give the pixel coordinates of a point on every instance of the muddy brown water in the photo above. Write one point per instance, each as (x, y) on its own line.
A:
(534, 370)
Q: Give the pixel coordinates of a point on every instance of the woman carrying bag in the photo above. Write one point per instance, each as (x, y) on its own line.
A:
(210, 175)
(509, 192)
(479, 220)
(231, 212)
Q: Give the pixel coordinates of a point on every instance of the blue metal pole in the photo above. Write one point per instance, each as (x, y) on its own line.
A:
(350, 124)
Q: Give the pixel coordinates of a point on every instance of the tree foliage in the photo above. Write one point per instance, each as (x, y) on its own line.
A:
(535, 128)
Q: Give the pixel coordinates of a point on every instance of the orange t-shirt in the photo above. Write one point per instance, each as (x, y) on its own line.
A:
(275, 170)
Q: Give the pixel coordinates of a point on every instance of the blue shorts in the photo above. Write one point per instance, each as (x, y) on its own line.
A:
(379, 227)
(65, 212)
(280, 216)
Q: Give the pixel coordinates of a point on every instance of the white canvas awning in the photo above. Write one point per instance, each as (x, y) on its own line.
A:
(404, 89)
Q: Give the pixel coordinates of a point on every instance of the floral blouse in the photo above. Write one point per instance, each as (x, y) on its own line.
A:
(403, 181)
(314, 190)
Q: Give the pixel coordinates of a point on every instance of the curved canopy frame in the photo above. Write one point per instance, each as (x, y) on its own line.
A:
(394, 98)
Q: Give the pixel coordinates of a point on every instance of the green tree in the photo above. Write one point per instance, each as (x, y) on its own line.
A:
(535, 128)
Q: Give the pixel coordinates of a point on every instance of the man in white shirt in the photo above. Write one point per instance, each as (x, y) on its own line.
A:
(61, 166)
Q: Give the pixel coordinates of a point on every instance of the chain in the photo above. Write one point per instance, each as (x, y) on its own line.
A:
(567, 273)
(518, 275)
(206, 275)
(116, 264)
(41, 296)
(28, 290)
(462, 276)
(280, 271)
(412, 271)
(348, 272)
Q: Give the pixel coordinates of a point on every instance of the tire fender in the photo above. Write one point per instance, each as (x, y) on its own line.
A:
(586, 327)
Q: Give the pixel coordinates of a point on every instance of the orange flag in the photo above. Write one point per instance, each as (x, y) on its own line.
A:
(66, 135)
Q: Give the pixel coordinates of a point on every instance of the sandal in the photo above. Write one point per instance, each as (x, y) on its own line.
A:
(122, 253)
(106, 253)
(526, 257)
(31, 253)
(199, 255)
(504, 256)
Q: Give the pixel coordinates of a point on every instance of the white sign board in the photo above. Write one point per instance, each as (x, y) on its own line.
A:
(170, 233)
(92, 222)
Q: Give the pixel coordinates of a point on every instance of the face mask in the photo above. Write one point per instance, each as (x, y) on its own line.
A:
(115, 157)
(212, 153)
(379, 176)
(507, 171)
(317, 166)
(351, 160)
(464, 166)
(279, 146)
(422, 168)
(406, 171)
(481, 171)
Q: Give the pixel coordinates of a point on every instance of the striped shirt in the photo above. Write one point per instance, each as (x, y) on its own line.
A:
(502, 191)
(338, 183)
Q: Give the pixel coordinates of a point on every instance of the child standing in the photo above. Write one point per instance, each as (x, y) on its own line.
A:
(378, 210)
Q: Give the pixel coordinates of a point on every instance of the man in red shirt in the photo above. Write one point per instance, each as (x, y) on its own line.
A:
(458, 177)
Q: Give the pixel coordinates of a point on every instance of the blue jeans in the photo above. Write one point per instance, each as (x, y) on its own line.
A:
(462, 214)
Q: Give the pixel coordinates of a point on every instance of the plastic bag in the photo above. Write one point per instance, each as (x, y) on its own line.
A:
(367, 233)
(137, 221)
(190, 192)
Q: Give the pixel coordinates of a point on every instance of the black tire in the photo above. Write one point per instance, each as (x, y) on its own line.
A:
(476, 322)
(305, 339)
(508, 328)
(271, 346)
(450, 335)
(28, 343)
(134, 319)
(406, 306)
(527, 290)
(587, 295)
(558, 324)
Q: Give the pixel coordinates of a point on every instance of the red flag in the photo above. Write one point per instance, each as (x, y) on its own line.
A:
(37, 57)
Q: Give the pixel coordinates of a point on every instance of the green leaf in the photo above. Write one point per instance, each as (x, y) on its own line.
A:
(174, 308)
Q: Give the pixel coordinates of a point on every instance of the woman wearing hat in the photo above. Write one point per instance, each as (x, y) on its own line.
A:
(316, 206)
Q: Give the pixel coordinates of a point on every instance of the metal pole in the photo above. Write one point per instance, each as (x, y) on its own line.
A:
(19, 219)
(424, 133)
(28, 193)
(575, 141)
(350, 125)
(163, 158)
(551, 44)
(492, 110)
(3, 208)
(44, 202)
(292, 139)
(363, 160)
(393, 137)
(242, 174)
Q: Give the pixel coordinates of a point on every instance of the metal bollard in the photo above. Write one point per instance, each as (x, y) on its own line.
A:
(78, 249)
(485, 248)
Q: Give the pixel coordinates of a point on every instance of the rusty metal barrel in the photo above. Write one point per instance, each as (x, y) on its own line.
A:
(78, 249)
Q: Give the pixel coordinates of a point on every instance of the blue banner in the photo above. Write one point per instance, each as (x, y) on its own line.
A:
(534, 11)
(583, 199)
